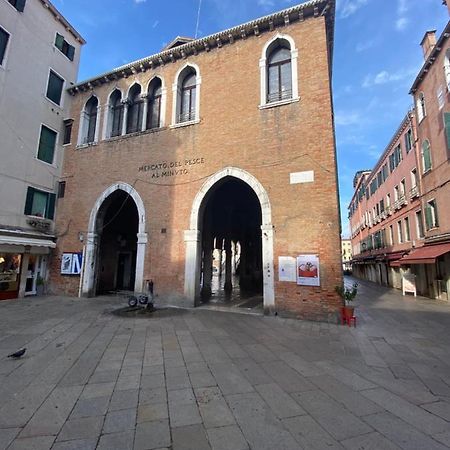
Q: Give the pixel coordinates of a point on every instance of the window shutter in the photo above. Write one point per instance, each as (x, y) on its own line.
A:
(428, 218)
(20, 5)
(29, 201)
(71, 52)
(59, 41)
(55, 87)
(50, 210)
(436, 220)
(426, 156)
(447, 129)
(47, 145)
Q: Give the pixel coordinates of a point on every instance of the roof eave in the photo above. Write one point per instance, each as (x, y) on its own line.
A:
(300, 12)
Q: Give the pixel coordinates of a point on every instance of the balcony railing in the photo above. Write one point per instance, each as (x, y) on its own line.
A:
(414, 192)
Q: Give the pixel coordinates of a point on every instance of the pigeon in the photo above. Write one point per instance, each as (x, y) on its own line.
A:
(17, 354)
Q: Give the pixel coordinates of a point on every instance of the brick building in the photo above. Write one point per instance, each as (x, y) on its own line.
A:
(386, 218)
(431, 91)
(39, 58)
(220, 143)
(408, 235)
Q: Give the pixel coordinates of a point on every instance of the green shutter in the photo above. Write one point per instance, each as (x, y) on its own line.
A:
(29, 201)
(447, 129)
(426, 156)
(55, 87)
(50, 210)
(47, 143)
(20, 5)
(71, 52)
(59, 41)
(428, 218)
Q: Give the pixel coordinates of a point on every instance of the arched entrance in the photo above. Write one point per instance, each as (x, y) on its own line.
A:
(116, 240)
(230, 212)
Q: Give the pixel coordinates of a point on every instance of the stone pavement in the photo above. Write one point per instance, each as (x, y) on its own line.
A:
(212, 380)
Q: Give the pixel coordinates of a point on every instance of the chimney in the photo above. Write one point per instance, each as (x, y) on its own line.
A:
(428, 43)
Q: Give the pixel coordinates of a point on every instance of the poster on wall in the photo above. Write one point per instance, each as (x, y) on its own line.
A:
(71, 263)
(308, 270)
(287, 269)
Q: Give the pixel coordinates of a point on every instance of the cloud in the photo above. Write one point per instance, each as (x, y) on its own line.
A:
(155, 23)
(343, 118)
(402, 21)
(363, 46)
(140, 1)
(346, 8)
(385, 77)
(266, 4)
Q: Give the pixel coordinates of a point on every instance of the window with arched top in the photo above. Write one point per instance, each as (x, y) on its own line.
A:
(188, 97)
(89, 122)
(135, 110)
(420, 106)
(426, 156)
(115, 114)
(447, 68)
(154, 105)
(278, 70)
(279, 74)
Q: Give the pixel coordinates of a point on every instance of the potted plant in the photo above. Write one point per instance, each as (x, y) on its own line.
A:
(40, 285)
(348, 295)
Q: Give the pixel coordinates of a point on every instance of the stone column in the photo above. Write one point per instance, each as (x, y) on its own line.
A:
(207, 268)
(268, 275)
(144, 112)
(88, 286)
(142, 240)
(228, 286)
(192, 265)
(125, 117)
(24, 272)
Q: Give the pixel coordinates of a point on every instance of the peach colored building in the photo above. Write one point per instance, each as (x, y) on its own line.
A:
(431, 91)
(386, 218)
(197, 149)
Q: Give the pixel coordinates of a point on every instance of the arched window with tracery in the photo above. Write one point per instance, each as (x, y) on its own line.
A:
(135, 110)
(188, 97)
(88, 122)
(115, 114)
(154, 108)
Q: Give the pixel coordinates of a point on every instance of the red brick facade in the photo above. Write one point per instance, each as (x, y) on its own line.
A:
(232, 131)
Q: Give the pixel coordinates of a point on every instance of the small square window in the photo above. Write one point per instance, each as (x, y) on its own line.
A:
(54, 87)
(64, 47)
(18, 4)
(4, 38)
(68, 123)
(47, 142)
(40, 203)
(61, 189)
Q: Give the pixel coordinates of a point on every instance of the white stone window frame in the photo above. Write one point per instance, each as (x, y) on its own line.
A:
(53, 163)
(163, 102)
(63, 90)
(8, 46)
(264, 73)
(83, 124)
(421, 107)
(126, 105)
(176, 96)
(447, 69)
(107, 119)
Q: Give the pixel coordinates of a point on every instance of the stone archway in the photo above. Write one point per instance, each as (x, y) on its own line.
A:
(91, 247)
(192, 236)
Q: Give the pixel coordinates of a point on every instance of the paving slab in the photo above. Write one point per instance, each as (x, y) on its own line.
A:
(152, 435)
(227, 438)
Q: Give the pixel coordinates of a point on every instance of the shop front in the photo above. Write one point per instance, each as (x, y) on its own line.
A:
(23, 265)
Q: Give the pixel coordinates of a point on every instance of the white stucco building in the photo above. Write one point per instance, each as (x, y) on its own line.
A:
(39, 59)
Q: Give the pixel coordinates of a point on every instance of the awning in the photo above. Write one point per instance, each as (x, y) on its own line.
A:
(425, 255)
(31, 242)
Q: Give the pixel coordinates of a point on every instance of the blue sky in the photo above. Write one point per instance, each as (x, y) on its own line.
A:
(376, 56)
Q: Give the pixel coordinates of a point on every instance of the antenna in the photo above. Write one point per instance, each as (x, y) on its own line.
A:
(198, 18)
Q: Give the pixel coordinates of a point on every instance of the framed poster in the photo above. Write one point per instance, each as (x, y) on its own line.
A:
(308, 270)
(287, 269)
(71, 263)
